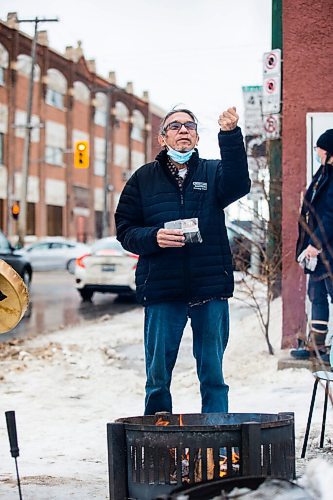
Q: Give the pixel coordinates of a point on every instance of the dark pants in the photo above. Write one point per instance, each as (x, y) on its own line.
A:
(164, 326)
(318, 291)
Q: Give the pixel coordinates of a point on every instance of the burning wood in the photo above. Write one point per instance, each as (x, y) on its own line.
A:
(196, 458)
(224, 461)
(161, 422)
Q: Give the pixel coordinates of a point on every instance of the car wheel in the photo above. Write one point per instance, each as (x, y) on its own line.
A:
(86, 295)
(71, 266)
(26, 278)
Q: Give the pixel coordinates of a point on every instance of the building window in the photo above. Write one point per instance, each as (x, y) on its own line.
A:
(54, 220)
(55, 139)
(101, 104)
(31, 219)
(2, 215)
(138, 125)
(98, 224)
(54, 98)
(99, 167)
(54, 155)
(99, 160)
(100, 117)
(4, 59)
(2, 76)
(2, 141)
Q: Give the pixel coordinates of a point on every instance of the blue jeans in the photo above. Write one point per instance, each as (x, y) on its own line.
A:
(164, 327)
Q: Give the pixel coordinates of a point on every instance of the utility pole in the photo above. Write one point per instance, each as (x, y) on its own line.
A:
(107, 187)
(22, 221)
(275, 165)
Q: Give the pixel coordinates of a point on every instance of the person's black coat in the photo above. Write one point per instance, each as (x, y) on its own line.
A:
(315, 225)
(152, 197)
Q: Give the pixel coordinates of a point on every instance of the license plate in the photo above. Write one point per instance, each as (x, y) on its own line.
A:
(109, 267)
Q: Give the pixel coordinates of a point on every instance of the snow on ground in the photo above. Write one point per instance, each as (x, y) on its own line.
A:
(65, 387)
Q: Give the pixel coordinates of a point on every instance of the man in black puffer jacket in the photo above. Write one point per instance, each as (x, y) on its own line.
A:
(179, 277)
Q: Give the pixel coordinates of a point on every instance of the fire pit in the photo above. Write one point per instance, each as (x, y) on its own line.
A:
(153, 455)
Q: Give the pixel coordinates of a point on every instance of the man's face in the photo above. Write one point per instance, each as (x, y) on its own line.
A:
(183, 139)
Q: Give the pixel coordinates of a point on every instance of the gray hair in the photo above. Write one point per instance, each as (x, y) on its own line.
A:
(172, 112)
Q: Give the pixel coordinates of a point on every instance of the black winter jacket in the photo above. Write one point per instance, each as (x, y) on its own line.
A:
(151, 197)
(315, 225)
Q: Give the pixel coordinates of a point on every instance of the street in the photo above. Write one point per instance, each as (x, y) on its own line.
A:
(55, 304)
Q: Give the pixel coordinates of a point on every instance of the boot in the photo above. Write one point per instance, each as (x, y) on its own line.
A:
(314, 345)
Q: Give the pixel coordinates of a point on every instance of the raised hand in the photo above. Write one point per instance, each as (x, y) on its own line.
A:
(228, 119)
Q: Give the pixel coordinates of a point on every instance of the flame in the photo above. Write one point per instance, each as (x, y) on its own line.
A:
(160, 421)
(223, 463)
(181, 423)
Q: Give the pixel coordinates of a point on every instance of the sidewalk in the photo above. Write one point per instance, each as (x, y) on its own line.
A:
(65, 387)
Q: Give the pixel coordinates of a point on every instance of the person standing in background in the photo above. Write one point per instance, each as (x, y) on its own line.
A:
(314, 250)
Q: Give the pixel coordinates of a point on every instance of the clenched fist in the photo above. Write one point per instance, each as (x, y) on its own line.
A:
(228, 119)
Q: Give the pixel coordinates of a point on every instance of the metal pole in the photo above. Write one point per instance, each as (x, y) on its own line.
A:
(255, 253)
(22, 220)
(106, 208)
(275, 168)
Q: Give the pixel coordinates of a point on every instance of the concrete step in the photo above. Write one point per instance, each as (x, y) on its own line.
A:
(311, 364)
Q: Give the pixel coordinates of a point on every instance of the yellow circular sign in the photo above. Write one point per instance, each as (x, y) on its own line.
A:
(14, 297)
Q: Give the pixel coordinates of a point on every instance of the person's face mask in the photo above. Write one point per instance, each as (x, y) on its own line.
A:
(177, 156)
(317, 157)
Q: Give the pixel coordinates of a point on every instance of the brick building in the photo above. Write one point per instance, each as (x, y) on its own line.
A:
(307, 112)
(70, 103)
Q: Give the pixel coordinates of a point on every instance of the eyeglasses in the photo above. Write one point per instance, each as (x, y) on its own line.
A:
(315, 148)
(178, 125)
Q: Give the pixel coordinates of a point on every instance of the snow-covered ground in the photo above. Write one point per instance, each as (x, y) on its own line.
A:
(66, 386)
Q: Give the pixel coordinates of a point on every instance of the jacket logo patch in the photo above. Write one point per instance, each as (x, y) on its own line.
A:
(200, 186)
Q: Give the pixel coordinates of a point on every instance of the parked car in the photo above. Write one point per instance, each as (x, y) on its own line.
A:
(21, 265)
(107, 268)
(53, 253)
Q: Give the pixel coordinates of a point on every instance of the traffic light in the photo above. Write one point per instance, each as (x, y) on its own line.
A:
(15, 211)
(81, 154)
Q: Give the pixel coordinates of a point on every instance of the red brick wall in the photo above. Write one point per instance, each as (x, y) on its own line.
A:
(307, 87)
(155, 123)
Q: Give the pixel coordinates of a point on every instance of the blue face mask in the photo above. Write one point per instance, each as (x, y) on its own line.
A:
(318, 159)
(179, 157)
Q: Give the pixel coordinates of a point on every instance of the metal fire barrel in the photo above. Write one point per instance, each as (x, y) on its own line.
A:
(148, 460)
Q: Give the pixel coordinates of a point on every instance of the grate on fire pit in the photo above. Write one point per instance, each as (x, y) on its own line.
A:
(152, 455)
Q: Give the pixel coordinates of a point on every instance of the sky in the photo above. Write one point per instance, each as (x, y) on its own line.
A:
(193, 53)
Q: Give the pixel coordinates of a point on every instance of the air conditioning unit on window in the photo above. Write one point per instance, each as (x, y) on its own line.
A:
(126, 175)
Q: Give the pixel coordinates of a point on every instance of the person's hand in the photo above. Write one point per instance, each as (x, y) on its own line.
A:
(170, 238)
(228, 119)
(311, 251)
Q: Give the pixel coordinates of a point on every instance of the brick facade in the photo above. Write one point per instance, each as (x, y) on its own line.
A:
(69, 103)
(307, 83)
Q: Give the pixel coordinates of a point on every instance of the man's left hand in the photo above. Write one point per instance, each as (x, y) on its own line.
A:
(228, 119)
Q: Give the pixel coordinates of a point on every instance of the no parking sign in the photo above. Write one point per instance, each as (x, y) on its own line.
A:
(271, 102)
(272, 126)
